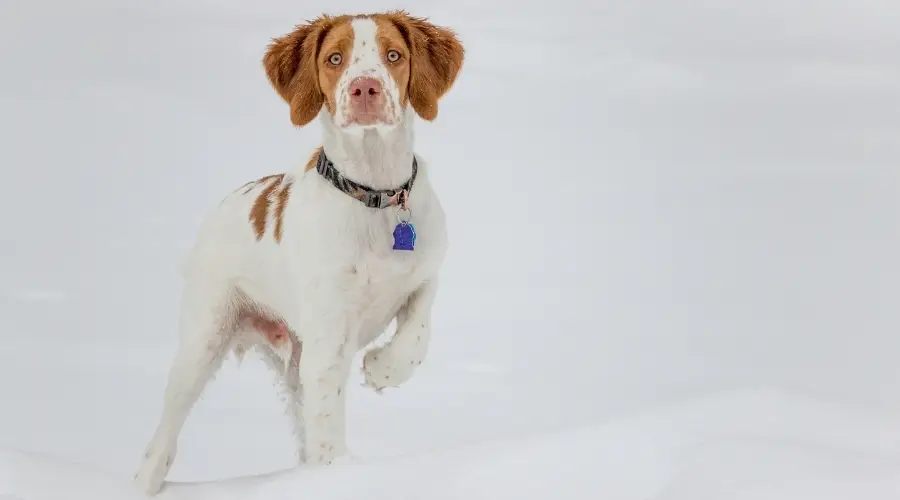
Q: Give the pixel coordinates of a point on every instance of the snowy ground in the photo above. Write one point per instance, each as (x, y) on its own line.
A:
(707, 311)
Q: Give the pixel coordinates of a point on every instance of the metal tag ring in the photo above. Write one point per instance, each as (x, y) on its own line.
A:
(408, 218)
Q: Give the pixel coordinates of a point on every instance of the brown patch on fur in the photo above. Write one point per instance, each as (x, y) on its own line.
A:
(259, 212)
(436, 57)
(249, 185)
(252, 184)
(311, 164)
(284, 192)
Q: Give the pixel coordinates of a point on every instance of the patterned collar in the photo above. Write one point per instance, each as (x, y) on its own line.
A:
(372, 198)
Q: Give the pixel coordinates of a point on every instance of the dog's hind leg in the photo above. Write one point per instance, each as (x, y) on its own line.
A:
(288, 373)
(280, 349)
(207, 323)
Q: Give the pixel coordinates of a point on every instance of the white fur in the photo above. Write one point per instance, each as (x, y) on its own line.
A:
(334, 279)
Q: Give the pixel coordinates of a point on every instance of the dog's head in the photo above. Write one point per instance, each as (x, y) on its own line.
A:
(364, 69)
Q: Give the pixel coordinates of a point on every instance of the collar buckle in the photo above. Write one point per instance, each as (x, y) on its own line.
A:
(375, 199)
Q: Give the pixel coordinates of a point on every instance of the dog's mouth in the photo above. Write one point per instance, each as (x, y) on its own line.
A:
(369, 118)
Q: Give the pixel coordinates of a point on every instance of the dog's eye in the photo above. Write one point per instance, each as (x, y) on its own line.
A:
(393, 56)
(335, 59)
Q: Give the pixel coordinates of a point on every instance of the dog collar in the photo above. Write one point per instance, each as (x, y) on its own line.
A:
(372, 198)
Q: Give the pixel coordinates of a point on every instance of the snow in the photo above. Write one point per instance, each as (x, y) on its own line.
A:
(701, 304)
(750, 445)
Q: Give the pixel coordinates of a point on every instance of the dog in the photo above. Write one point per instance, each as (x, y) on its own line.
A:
(311, 266)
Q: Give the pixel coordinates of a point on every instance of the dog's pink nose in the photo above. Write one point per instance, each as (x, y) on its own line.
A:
(367, 104)
(364, 88)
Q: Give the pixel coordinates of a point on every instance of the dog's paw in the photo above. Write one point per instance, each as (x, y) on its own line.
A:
(327, 454)
(154, 468)
(382, 370)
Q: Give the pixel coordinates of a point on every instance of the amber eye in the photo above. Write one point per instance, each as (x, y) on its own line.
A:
(393, 56)
(335, 59)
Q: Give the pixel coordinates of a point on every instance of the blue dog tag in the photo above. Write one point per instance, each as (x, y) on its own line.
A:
(404, 236)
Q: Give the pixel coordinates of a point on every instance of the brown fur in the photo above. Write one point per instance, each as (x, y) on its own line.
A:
(280, 190)
(259, 213)
(311, 164)
(282, 196)
(252, 184)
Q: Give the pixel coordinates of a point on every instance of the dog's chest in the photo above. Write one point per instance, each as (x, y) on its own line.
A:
(352, 247)
(379, 277)
(377, 283)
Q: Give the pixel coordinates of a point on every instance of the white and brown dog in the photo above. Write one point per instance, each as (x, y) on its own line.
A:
(311, 266)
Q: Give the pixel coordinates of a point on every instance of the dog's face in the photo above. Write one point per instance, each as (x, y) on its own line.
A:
(365, 70)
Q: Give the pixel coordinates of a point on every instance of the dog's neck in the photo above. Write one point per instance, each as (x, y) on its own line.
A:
(380, 158)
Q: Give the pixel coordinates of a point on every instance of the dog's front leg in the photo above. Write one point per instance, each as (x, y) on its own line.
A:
(394, 364)
(324, 367)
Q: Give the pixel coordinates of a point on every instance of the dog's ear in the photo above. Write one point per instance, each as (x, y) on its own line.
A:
(436, 56)
(290, 64)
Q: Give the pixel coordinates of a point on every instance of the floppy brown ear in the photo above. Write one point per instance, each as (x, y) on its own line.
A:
(436, 56)
(290, 64)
